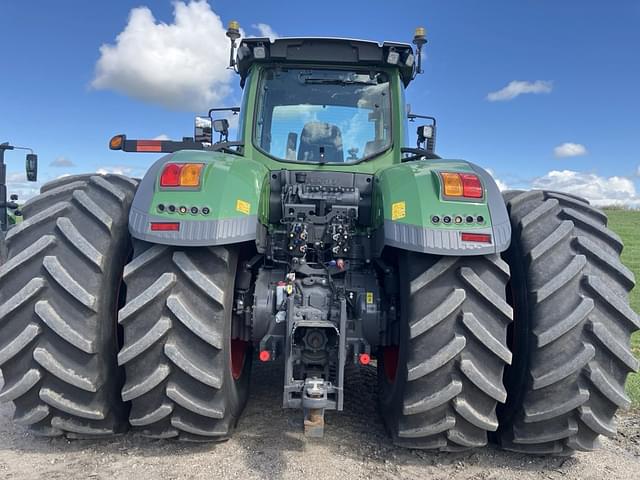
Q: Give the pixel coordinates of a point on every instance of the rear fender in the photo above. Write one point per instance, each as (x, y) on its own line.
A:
(230, 189)
(408, 197)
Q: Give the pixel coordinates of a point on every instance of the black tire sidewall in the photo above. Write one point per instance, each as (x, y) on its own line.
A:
(520, 334)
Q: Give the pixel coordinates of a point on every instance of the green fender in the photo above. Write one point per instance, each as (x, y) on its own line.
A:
(410, 210)
(227, 202)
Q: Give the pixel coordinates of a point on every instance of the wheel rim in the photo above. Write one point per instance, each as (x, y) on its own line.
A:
(390, 357)
(238, 357)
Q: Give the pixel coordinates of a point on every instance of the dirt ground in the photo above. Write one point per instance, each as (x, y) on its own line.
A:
(269, 444)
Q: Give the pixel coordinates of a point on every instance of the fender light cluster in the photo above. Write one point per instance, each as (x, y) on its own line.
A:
(181, 175)
(464, 185)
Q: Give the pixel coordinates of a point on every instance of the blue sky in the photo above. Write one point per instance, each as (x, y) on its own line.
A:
(578, 60)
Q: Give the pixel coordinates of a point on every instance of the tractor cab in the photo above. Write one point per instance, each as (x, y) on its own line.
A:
(315, 101)
(322, 100)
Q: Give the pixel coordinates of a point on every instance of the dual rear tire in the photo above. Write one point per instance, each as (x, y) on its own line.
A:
(59, 293)
(168, 367)
(572, 326)
(454, 377)
(186, 377)
(443, 391)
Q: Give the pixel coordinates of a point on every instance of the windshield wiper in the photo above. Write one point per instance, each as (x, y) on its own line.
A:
(331, 81)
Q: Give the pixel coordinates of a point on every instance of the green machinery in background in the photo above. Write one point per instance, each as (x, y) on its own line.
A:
(10, 212)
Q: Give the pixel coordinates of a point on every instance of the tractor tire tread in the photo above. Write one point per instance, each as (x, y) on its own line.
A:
(177, 300)
(456, 351)
(57, 306)
(580, 321)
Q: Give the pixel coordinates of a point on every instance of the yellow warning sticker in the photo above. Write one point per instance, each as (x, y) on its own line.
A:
(369, 298)
(398, 210)
(243, 207)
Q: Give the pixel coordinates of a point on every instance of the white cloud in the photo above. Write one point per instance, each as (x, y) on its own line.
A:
(117, 169)
(162, 136)
(62, 162)
(569, 149)
(502, 186)
(265, 30)
(16, 177)
(517, 88)
(600, 191)
(17, 183)
(180, 65)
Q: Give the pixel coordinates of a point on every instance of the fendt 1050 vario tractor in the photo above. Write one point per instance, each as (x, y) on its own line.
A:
(318, 240)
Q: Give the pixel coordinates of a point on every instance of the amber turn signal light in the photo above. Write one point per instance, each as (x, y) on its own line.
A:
(190, 175)
(117, 142)
(452, 184)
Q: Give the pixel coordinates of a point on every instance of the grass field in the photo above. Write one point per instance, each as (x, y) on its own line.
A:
(626, 223)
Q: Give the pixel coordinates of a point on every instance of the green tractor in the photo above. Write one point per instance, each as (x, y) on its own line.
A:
(10, 213)
(14, 214)
(321, 241)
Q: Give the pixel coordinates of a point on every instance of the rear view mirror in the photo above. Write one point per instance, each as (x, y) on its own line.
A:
(221, 126)
(427, 136)
(203, 130)
(425, 132)
(31, 165)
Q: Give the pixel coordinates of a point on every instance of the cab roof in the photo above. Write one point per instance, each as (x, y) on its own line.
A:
(329, 51)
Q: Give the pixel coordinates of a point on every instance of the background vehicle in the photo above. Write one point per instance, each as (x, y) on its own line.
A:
(10, 212)
(319, 239)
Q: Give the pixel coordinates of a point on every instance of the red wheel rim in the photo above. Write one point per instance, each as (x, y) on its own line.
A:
(390, 356)
(238, 355)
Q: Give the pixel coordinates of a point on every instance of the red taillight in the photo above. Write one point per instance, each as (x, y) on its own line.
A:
(171, 175)
(165, 226)
(476, 237)
(265, 355)
(471, 186)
